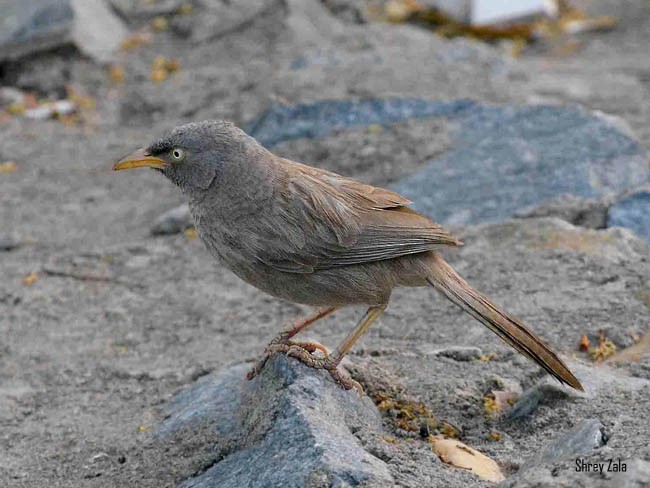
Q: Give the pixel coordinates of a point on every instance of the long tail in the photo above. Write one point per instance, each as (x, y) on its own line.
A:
(442, 277)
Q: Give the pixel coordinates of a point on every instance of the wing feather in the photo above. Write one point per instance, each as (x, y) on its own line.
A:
(330, 221)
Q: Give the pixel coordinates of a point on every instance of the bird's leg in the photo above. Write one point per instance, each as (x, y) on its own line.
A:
(332, 361)
(282, 342)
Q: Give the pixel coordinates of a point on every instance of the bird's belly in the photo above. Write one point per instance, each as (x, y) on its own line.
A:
(333, 287)
(369, 283)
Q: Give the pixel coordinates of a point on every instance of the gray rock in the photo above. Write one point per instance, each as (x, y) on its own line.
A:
(578, 211)
(28, 26)
(8, 243)
(10, 96)
(633, 212)
(217, 19)
(291, 426)
(173, 221)
(97, 31)
(45, 74)
(137, 10)
(313, 120)
(531, 399)
(457, 353)
(636, 475)
(507, 159)
(581, 440)
(503, 161)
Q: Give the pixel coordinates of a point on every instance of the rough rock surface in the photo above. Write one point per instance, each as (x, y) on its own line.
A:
(33, 25)
(289, 426)
(633, 212)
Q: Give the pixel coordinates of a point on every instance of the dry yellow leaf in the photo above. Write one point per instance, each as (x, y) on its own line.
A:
(158, 75)
(185, 9)
(162, 67)
(191, 233)
(135, 40)
(398, 11)
(633, 353)
(16, 108)
(30, 279)
(454, 452)
(495, 436)
(8, 167)
(160, 23)
(116, 73)
(605, 348)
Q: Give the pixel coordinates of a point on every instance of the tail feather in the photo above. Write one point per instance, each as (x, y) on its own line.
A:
(442, 277)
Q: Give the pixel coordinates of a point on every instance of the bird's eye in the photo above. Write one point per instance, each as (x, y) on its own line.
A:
(177, 154)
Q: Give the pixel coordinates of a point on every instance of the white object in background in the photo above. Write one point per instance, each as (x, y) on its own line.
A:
(498, 11)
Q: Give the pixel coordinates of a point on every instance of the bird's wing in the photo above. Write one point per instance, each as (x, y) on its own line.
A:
(329, 221)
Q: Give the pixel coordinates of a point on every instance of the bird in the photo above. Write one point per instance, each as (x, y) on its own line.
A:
(317, 238)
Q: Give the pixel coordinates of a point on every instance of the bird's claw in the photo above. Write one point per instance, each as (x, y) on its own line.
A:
(281, 344)
(303, 351)
(328, 363)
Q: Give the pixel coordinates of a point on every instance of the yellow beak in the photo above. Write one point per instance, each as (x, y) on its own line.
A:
(139, 159)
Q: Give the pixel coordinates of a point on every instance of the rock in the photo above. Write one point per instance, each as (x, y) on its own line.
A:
(351, 11)
(217, 19)
(503, 160)
(11, 96)
(313, 120)
(457, 353)
(578, 211)
(28, 26)
(137, 10)
(636, 475)
(97, 31)
(8, 243)
(291, 426)
(173, 221)
(581, 440)
(633, 212)
(543, 392)
(43, 73)
(513, 158)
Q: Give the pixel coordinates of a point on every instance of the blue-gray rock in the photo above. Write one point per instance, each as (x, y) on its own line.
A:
(173, 221)
(8, 243)
(457, 353)
(136, 10)
(283, 123)
(579, 441)
(632, 212)
(543, 392)
(509, 159)
(290, 426)
(27, 26)
(504, 160)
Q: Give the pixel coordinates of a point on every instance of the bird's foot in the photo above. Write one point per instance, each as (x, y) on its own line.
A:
(329, 363)
(281, 344)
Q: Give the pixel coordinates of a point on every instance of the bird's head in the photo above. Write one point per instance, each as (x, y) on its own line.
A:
(192, 156)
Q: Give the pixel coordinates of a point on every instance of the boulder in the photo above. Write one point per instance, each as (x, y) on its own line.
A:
(290, 426)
